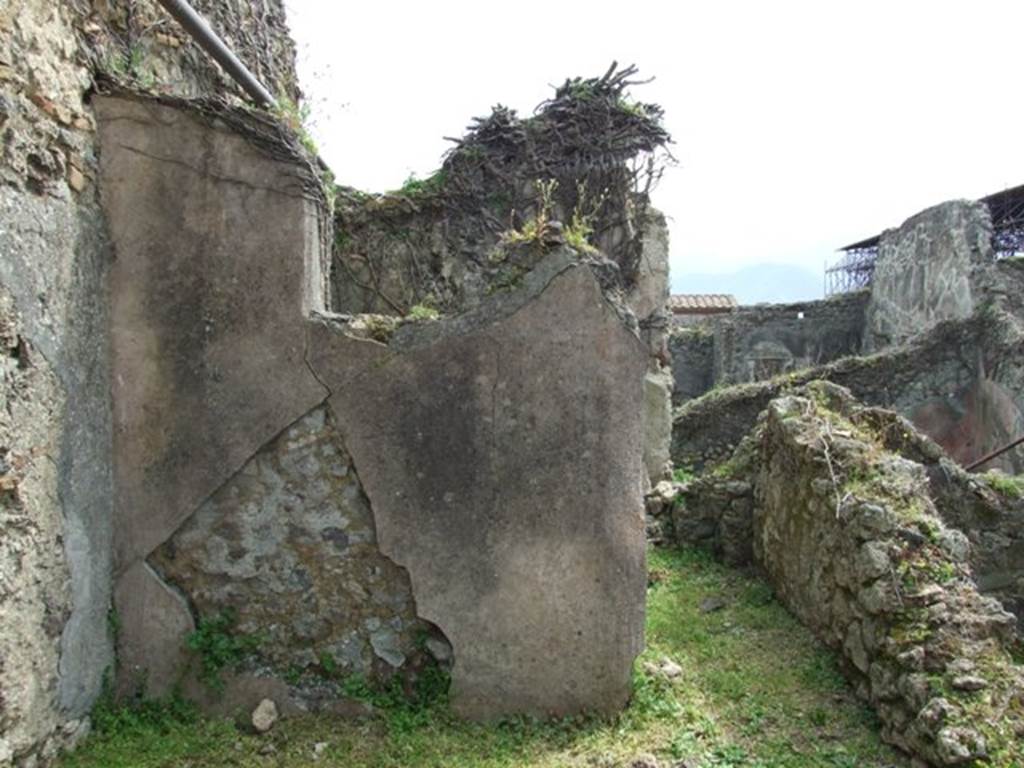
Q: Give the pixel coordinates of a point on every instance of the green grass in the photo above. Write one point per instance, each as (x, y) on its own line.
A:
(756, 692)
(1008, 485)
(423, 312)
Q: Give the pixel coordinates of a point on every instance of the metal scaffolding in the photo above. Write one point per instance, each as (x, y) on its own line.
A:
(1007, 209)
(856, 266)
(853, 271)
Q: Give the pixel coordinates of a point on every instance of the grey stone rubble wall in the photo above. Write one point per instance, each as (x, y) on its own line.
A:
(754, 343)
(961, 382)
(35, 599)
(887, 588)
(289, 544)
(716, 513)
(758, 342)
(53, 267)
(979, 506)
(714, 510)
(854, 548)
(692, 349)
(994, 525)
(927, 271)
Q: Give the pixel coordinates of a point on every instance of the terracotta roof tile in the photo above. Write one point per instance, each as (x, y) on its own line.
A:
(693, 303)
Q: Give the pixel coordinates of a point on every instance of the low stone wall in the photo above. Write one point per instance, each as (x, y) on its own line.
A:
(755, 343)
(860, 554)
(853, 549)
(715, 512)
(961, 383)
(988, 509)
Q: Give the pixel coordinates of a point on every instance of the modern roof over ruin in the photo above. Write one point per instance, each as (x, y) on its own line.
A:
(856, 266)
(1006, 207)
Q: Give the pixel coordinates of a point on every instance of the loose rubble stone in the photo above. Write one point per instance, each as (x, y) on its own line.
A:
(643, 761)
(264, 716)
(712, 604)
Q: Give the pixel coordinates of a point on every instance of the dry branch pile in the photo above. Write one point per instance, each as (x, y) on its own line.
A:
(603, 150)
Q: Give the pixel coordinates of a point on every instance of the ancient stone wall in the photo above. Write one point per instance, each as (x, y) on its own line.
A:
(936, 287)
(471, 230)
(344, 486)
(56, 430)
(215, 218)
(758, 342)
(692, 348)
(988, 509)
(859, 556)
(647, 299)
(714, 511)
(856, 547)
(960, 383)
(463, 431)
(761, 341)
(927, 271)
(288, 544)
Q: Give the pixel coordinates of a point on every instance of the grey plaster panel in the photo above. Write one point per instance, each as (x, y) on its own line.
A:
(154, 625)
(503, 461)
(207, 290)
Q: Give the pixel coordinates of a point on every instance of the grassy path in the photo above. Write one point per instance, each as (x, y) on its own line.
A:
(755, 691)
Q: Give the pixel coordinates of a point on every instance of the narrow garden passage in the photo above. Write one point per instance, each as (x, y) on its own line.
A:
(728, 679)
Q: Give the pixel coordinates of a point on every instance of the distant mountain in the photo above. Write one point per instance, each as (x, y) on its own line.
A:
(776, 283)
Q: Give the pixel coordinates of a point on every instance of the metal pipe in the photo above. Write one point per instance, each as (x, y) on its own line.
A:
(996, 453)
(208, 40)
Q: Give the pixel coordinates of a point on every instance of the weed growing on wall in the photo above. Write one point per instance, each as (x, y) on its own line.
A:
(296, 117)
(540, 229)
(683, 474)
(536, 230)
(219, 646)
(432, 185)
(1011, 486)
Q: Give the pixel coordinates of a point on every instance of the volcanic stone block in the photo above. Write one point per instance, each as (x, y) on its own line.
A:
(216, 267)
(502, 454)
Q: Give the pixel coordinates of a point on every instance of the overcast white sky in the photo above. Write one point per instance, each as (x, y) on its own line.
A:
(799, 126)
